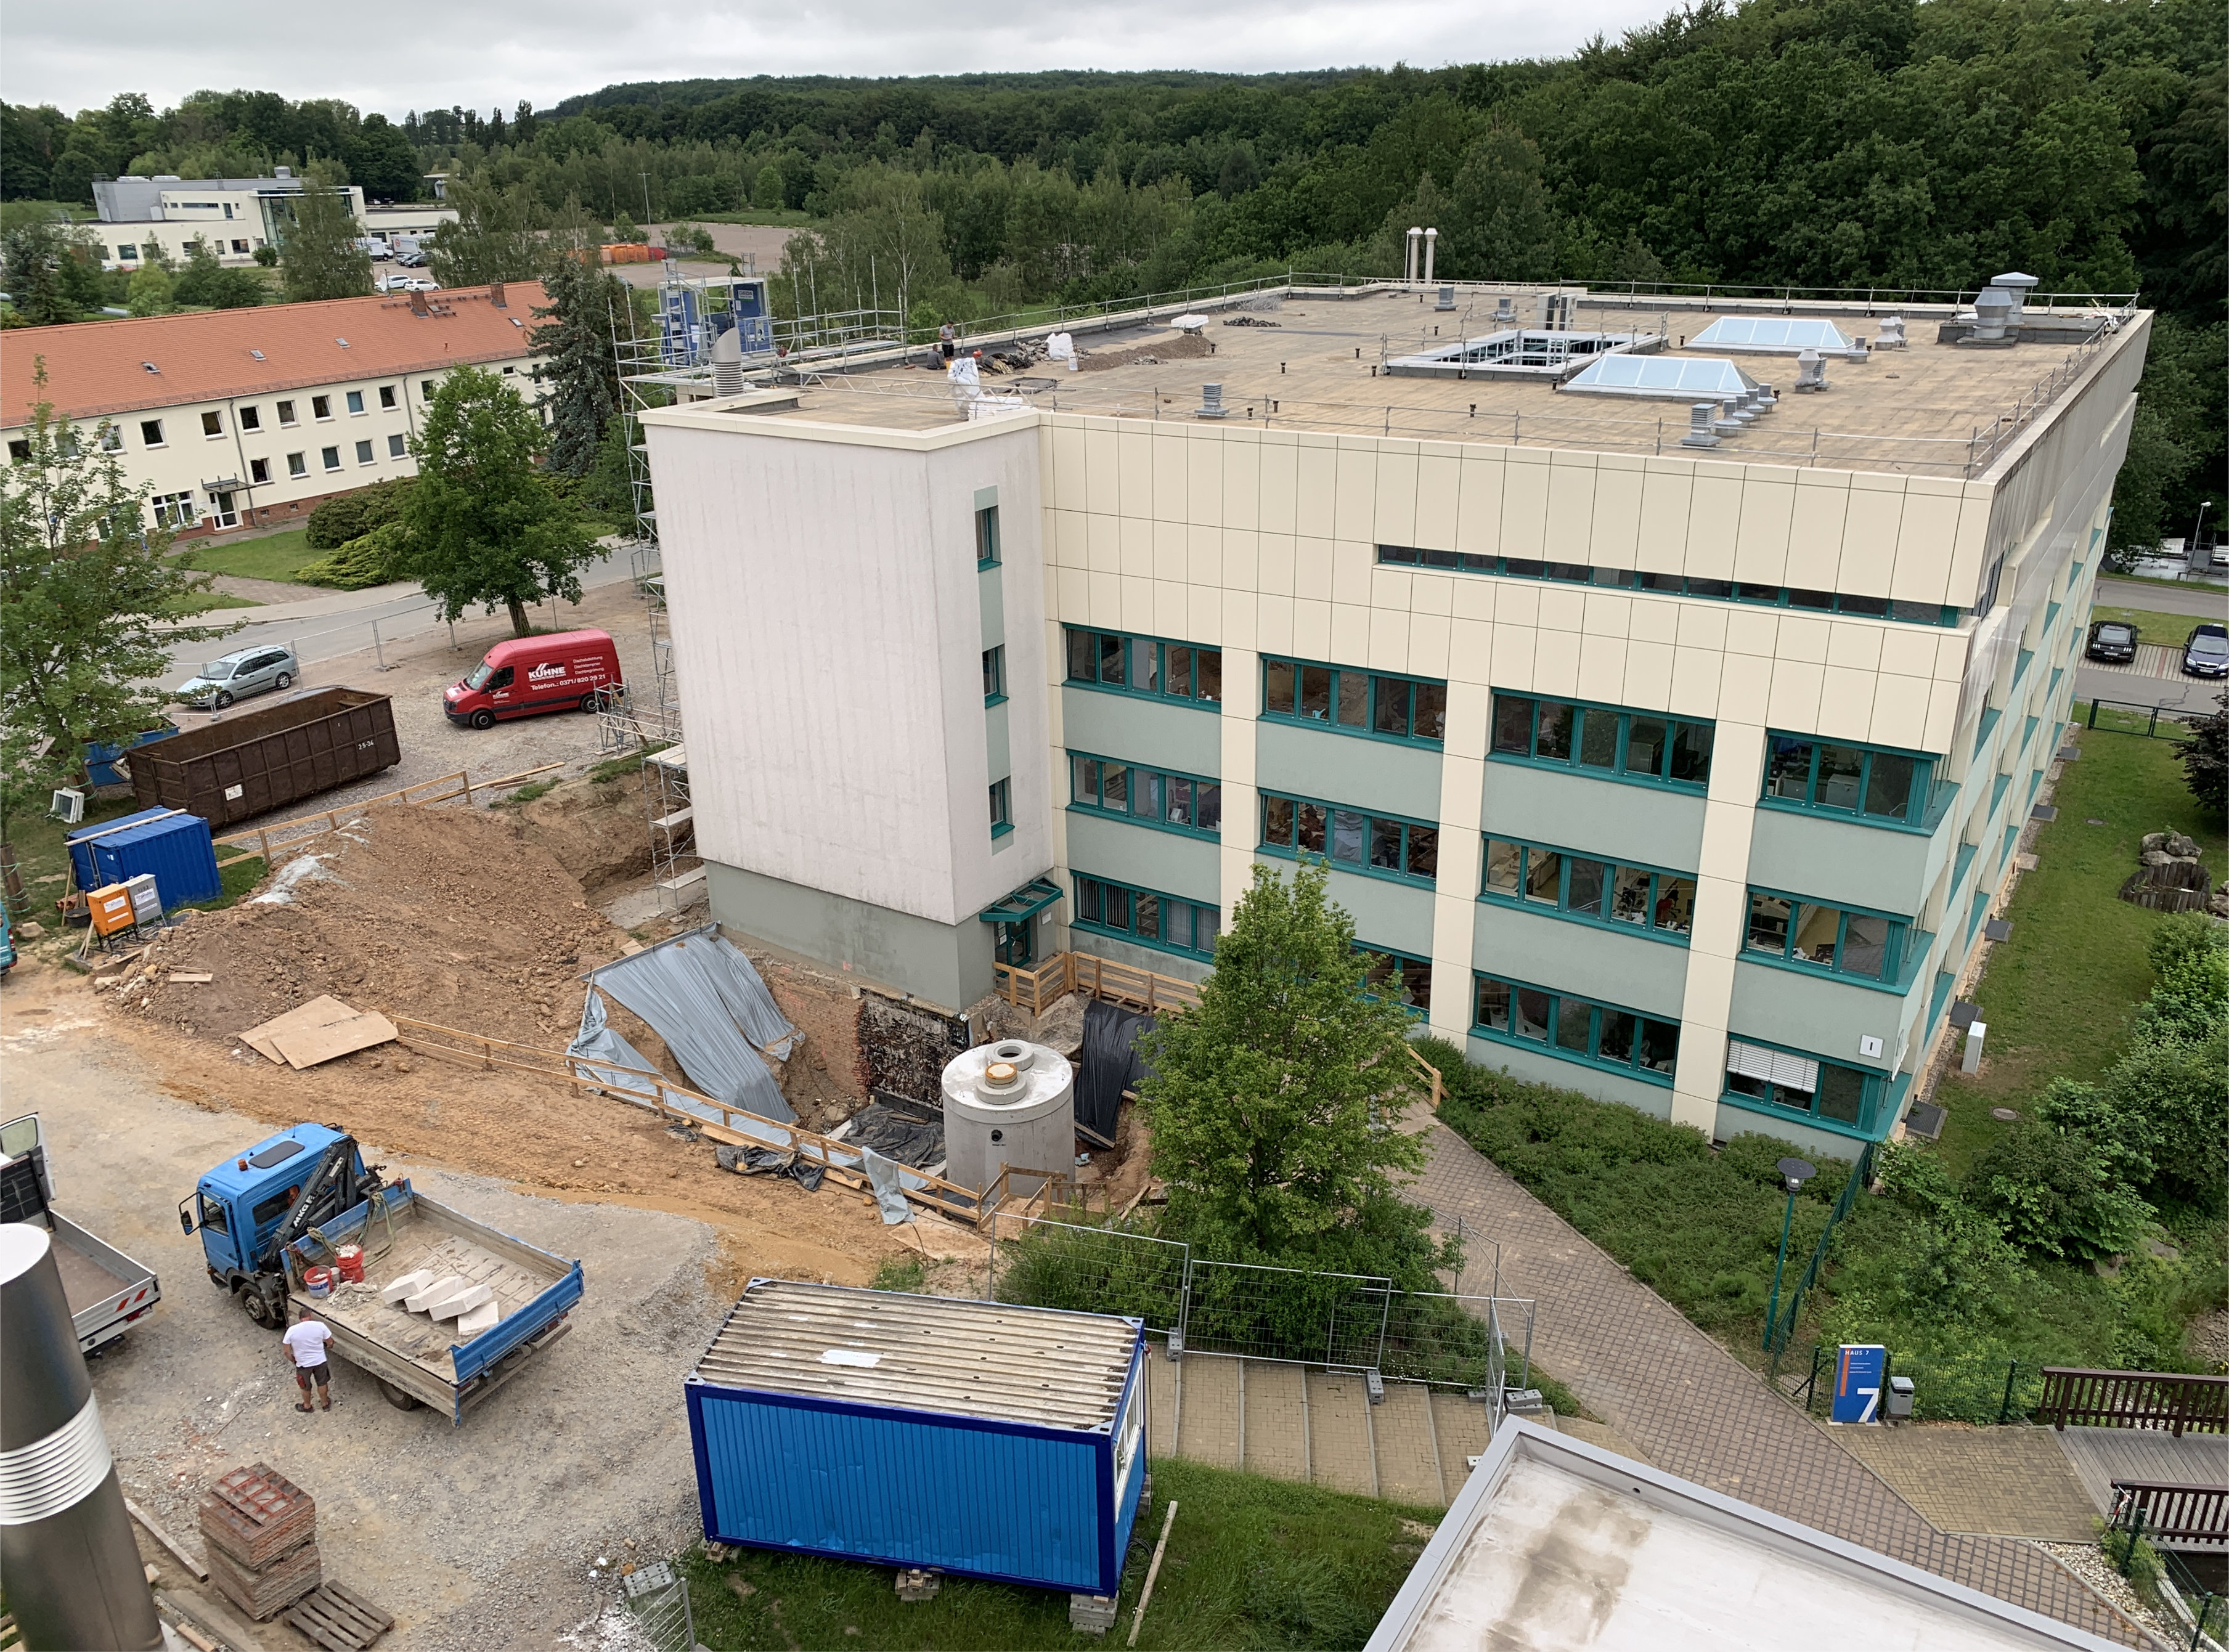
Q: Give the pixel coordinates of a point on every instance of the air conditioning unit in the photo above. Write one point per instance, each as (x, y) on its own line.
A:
(68, 806)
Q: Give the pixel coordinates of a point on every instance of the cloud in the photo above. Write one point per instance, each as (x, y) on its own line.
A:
(485, 56)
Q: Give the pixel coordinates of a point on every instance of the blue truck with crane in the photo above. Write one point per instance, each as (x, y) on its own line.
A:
(276, 1218)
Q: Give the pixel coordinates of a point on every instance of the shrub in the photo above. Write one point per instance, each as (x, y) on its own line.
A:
(351, 516)
(371, 558)
(2057, 1191)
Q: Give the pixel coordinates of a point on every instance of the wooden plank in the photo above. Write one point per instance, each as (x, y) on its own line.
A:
(190, 978)
(322, 1044)
(186, 1559)
(319, 1012)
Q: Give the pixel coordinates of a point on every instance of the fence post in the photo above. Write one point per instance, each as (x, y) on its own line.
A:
(2005, 1409)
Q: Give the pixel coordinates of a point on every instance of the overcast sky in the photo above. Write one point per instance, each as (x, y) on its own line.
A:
(486, 53)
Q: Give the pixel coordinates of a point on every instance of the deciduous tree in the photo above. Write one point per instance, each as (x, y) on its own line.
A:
(318, 254)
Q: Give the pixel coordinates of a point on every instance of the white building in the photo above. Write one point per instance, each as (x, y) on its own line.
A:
(233, 216)
(1684, 775)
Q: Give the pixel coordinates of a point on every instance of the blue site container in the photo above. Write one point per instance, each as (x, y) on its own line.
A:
(101, 759)
(175, 846)
(976, 1438)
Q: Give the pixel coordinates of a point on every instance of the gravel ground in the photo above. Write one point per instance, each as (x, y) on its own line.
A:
(2087, 1561)
(473, 1537)
(420, 667)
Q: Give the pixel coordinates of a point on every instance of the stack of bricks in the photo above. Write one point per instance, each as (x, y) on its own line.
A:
(262, 1532)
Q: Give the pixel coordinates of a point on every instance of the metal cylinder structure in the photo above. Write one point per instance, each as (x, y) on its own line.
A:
(67, 1555)
(1409, 269)
(1431, 247)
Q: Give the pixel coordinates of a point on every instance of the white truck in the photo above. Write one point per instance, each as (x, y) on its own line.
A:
(106, 1289)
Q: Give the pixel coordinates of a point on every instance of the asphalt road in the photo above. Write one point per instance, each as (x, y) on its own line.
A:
(2178, 692)
(2204, 602)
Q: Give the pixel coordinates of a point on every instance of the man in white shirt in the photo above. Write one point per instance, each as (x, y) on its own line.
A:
(306, 1342)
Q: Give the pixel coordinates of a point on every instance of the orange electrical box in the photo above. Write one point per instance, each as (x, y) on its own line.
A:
(626, 252)
(112, 909)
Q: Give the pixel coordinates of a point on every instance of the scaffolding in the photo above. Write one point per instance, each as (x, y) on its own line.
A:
(676, 871)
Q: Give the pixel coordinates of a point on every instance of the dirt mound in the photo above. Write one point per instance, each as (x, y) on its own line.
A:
(1177, 346)
(449, 916)
(599, 832)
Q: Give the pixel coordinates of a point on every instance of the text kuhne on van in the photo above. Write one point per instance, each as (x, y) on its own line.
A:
(529, 675)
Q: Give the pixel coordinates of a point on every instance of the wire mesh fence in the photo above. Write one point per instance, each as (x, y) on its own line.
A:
(657, 1599)
(1962, 1386)
(1094, 1270)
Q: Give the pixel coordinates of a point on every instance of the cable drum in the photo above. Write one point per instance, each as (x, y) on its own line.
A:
(56, 1473)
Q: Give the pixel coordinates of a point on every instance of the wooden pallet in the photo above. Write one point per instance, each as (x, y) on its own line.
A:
(337, 1618)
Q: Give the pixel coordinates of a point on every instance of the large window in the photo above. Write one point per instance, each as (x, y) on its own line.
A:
(1722, 591)
(1590, 887)
(1786, 1082)
(151, 432)
(1148, 796)
(1002, 807)
(1350, 838)
(1146, 916)
(1176, 671)
(1355, 702)
(175, 511)
(212, 424)
(1885, 788)
(1602, 740)
(1396, 975)
(1842, 939)
(1573, 1028)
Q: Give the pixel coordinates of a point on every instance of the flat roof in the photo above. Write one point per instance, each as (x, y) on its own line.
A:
(1311, 362)
(1556, 1545)
(991, 1360)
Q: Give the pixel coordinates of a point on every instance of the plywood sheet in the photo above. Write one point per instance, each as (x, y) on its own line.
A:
(317, 1030)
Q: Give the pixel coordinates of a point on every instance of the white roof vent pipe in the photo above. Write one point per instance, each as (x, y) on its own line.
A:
(1409, 270)
(727, 364)
(1810, 371)
(1731, 420)
(1431, 247)
(1210, 403)
(1891, 334)
(1765, 398)
(2018, 285)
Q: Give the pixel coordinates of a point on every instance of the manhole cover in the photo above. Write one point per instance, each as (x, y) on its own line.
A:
(2004, 1115)
(2093, 823)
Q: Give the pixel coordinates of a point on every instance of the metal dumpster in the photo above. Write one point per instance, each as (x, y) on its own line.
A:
(247, 763)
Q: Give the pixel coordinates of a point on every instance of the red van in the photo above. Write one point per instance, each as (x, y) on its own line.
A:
(529, 675)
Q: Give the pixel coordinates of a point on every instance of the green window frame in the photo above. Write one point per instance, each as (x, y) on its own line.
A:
(1825, 938)
(1606, 742)
(1574, 1028)
(1348, 699)
(1588, 889)
(1399, 976)
(1002, 807)
(1163, 798)
(1718, 590)
(1871, 785)
(1146, 918)
(994, 676)
(986, 537)
(1770, 1079)
(1118, 662)
(1351, 839)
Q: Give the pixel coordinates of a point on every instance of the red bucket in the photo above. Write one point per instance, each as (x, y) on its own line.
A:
(318, 1281)
(349, 1259)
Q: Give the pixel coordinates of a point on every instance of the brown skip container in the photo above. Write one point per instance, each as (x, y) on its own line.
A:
(247, 765)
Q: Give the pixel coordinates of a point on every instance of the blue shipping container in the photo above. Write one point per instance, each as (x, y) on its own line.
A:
(100, 760)
(173, 845)
(977, 1439)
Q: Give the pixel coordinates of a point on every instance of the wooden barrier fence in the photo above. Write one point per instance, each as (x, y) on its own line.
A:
(2176, 1401)
(331, 821)
(2185, 1516)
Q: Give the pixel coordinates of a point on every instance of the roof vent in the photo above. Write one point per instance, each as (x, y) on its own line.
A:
(151, 367)
(728, 364)
(282, 171)
(2018, 285)
(419, 307)
(1210, 403)
(1506, 311)
(1732, 420)
(343, 343)
(1810, 371)
(1993, 311)
(257, 354)
(1765, 398)
(1700, 418)
(1891, 334)
(1447, 297)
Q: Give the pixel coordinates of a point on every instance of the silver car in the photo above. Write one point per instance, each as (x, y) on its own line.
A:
(242, 672)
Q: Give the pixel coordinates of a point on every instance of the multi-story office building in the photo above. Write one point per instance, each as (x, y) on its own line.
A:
(145, 218)
(239, 418)
(1670, 753)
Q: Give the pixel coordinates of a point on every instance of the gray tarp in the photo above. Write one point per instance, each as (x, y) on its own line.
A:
(700, 993)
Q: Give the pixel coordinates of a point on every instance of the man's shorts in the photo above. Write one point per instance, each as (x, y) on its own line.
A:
(323, 1373)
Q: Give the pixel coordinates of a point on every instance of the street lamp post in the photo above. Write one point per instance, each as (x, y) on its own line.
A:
(1795, 1172)
(2190, 551)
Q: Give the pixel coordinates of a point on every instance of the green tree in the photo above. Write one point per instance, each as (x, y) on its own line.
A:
(1274, 1103)
(2205, 757)
(491, 238)
(88, 595)
(482, 523)
(151, 292)
(33, 254)
(580, 372)
(318, 254)
(206, 282)
(767, 188)
(1502, 225)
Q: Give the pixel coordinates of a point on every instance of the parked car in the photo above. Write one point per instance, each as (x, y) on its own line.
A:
(242, 672)
(411, 261)
(2113, 642)
(2206, 651)
(528, 675)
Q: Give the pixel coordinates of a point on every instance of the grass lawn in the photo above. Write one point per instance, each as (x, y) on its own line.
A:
(2151, 625)
(42, 855)
(1250, 1563)
(274, 556)
(208, 602)
(781, 217)
(2058, 995)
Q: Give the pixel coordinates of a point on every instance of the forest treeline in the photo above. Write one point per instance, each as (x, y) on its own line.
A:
(1812, 143)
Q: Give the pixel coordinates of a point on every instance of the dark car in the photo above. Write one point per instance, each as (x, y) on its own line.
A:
(2207, 653)
(2113, 642)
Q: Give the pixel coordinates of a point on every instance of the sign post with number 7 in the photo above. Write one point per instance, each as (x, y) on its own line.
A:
(1859, 1368)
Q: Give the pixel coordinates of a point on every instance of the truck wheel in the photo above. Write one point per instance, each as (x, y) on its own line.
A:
(223, 698)
(395, 1396)
(588, 701)
(483, 719)
(258, 1309)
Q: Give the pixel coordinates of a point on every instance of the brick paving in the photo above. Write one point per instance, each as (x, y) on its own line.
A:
(1696, 1411)
(2005, 1481)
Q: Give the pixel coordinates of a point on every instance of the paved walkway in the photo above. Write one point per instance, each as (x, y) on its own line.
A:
(2003, 1481)
(1694, 1411)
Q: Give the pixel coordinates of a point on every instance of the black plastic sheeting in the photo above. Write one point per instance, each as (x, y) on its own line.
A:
(1111, 1065)
(898, 1129)
(760, 1161)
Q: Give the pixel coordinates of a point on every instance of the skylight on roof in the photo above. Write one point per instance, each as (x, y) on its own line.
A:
(151, 367)
(257, 354)
(1666, 378)
(343, 343)
(1777, 335)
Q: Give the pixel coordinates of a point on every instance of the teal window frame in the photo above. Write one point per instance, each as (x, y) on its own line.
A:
(1158, 668)
(1938, 996)
(1967, 851)
(1997, 789)
(1518, 1000)
(2027, 732)
(1717, 590)
(1925, 796)
(1094, 909)
(1002, 806)
(1527, 729)
(1355, 701)
(1991, 716)
(1768, 1097)
(1974, 917)
(1659, 884)
(1400, 976)
(1150, 794)
(1417, 841)
(986, 537)
(1897, 949)
(994, 676)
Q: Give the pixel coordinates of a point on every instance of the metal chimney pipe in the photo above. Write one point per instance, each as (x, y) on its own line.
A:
(1415, 235)
(1431, 245)
(66, 1544)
